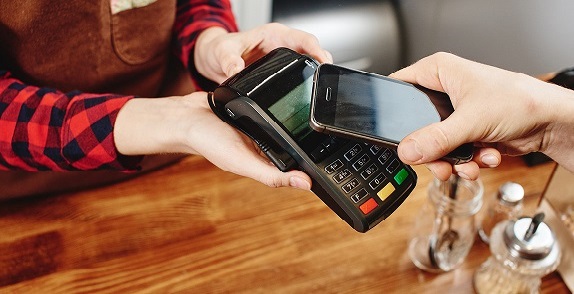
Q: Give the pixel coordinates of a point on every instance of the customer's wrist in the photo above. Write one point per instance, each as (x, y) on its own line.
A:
(559, 138)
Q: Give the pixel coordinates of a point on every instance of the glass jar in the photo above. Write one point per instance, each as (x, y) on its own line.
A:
(445, 227)
(522, 253)
(507, 205)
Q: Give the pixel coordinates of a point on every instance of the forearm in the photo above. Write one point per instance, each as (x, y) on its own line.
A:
(154, 126)
(45, 129)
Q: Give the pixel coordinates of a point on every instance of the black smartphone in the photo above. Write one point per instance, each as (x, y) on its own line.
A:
(270, 100)
(376, 109)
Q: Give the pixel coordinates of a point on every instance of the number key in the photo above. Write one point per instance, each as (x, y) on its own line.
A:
(377, 181)
(369, 171)
(385, 156)
(353, 152)
(341, 176)
(361, 162)
(334, 166)
(350, 185)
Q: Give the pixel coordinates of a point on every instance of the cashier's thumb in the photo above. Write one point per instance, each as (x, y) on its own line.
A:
(233, 65)
(273, 177)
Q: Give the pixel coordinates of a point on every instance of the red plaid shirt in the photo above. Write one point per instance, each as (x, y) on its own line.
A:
(45, 129)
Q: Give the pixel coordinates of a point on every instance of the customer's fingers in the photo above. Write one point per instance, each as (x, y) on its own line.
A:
(487, 157)
(428, 72)
(442, 170)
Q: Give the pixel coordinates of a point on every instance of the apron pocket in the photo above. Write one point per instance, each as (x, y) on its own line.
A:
(140, 34)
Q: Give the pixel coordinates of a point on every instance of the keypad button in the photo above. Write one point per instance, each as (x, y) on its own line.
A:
(357, 197)
(377, 181)
(375, 149)
(334, 166)
(386, 191)
(385, 156)
(341, 176)
(369, 171)
(368, 206)
(392, 167)
(353, 152)
(401, 176)
(361, 162)
(350, 185)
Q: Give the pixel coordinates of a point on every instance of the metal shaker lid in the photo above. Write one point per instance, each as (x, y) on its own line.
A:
(529, 238)
(511, 193)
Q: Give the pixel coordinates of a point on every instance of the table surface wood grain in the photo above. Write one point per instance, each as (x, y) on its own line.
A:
(192, 228)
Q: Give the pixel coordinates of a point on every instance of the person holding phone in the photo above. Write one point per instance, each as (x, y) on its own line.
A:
(74, 74)
(502, 112)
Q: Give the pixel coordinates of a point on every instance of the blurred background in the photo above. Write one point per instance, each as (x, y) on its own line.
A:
(529, 36)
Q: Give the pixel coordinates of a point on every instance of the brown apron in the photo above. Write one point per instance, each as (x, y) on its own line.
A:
(79, 45)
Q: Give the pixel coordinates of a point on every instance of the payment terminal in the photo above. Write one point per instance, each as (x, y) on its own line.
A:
(270, 100)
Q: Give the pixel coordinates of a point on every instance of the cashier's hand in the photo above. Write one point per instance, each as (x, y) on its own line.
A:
(232, 151)
(187, 125)
(502, 112)
(219, 54)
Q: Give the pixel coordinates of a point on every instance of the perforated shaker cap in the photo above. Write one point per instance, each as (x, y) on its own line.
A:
(511, 193)
(534, 245)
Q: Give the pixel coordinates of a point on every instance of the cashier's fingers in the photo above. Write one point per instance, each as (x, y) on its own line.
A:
(231, 52)
(264, 171)
(255, 43)
(248, 161)
(275, 35)
(294, 179)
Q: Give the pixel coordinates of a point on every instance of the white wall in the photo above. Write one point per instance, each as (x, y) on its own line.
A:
(251, 13)
(531, 36)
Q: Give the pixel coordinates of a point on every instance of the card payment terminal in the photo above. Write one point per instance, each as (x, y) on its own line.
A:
(270, 102)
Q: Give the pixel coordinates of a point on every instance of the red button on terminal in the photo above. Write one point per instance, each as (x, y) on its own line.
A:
(368, 206)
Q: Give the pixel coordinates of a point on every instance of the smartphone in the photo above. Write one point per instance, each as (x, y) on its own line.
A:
(376, 109)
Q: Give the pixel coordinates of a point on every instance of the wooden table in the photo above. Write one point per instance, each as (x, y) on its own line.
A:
(192, 228)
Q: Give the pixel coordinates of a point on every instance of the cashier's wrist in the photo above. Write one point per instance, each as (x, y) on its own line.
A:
(153, 126)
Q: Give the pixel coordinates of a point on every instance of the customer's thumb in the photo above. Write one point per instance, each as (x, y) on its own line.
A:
(434, 141)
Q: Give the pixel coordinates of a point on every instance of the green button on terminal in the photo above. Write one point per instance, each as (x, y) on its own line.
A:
(401, 176)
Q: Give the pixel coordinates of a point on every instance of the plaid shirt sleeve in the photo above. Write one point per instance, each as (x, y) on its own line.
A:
(194, 16)
(43, 129)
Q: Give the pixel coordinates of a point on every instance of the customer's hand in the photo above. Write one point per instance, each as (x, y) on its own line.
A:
(219, 54)
(500, 111)
(188, 125)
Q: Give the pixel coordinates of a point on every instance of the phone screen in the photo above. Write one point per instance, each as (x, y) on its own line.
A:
(376, 108)
(373, 105)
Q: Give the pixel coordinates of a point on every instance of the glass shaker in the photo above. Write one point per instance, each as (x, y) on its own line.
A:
(445, 227)
(507, 205)
(523, 251)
